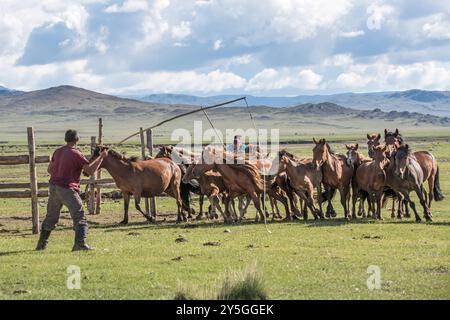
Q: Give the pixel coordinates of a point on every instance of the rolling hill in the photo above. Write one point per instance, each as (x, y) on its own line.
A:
(421, 101)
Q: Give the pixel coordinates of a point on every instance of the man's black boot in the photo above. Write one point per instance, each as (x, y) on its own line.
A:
(80, 239)
(43, 240)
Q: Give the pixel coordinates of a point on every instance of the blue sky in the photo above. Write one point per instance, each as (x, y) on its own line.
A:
(206, 47)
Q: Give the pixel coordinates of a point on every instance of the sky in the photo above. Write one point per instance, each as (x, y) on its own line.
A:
(209, 47)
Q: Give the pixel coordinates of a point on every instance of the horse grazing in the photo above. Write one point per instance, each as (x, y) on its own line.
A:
(370, 177)
(427, 163)
(404, 175)
(142, 178)
(337, 174)
(304, 178)
(183, 158)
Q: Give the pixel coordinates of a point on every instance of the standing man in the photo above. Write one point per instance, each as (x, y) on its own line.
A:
(65, 169)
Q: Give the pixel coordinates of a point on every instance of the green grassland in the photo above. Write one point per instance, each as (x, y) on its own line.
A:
(298, 260)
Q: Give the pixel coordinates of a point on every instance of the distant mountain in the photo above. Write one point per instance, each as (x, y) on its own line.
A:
(421, 101)
(8, 92)
(69, 100)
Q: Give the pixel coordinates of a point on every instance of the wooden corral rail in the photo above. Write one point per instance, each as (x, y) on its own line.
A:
(33, 186)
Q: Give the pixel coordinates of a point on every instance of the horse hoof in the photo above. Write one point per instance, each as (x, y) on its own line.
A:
(418, 220)
(199, 217)
(123, 222)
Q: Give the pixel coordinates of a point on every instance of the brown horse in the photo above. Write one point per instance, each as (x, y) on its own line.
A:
(304, 178)
(242, 178)
(142, 178)
(427, 163)
(355, 159)
(211, 184)
(370, 177)
(183, 158)
(337, 174)
(404, 175)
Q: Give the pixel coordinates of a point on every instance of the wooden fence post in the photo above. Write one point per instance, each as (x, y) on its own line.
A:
(33, 181)
(150, 150)
(91, 188)
(141, 133)
(98, 199)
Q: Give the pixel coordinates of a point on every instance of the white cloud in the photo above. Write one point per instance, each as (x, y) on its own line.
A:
(383, 76)
(338, 60)
(352, 34)
(379, 13)
(217, 45)
(128, 6)
(438, 27)
(182, 30)
(284, 78)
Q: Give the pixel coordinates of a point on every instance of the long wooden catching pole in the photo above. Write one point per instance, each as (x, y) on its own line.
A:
(33, 181)
(150, 150)
(98, 196)
(91, 198)
(141, 132)
(181, 115)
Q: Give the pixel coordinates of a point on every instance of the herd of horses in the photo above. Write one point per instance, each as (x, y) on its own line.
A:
(390, 170)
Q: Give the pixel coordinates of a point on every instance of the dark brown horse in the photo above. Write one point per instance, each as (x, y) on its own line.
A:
(337, 174)
(370, 177)
(142, 178)
(404, 175)
(427, 163)
(183, 158)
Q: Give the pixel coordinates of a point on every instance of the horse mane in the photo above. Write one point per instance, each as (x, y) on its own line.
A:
(404, 149)
(119, 156)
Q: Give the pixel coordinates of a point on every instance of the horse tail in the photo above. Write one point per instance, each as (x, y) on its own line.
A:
(438, 195)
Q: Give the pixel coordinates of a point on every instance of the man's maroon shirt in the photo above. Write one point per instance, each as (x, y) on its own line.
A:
(67, 163)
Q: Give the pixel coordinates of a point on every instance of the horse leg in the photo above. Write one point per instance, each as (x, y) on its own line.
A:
(423, 202)
(393, 208)
(379, 196)
(277, 196)
(354, 200)
(430, 190)
(137, 204)
(344, 193)
(408, 200)
(319, 199)
(126, 205)
(200, 202)
(256, 201)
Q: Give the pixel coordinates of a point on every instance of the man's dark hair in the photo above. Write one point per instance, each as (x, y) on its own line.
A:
(71, 136)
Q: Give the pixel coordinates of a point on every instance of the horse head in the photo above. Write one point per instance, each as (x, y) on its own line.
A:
(380, 156)
(401, 158)
(373, 140)
(393, 140)
(352, 154)
(320, 153)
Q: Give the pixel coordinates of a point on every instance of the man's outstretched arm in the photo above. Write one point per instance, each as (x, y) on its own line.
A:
(90, 168)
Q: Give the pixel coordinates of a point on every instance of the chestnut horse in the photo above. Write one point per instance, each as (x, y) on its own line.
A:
(142, 178)
(337, 174)
(355, 159)
(427, 163)
(211, 184)
(304, 178)
(404, 175)
(370, 177)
